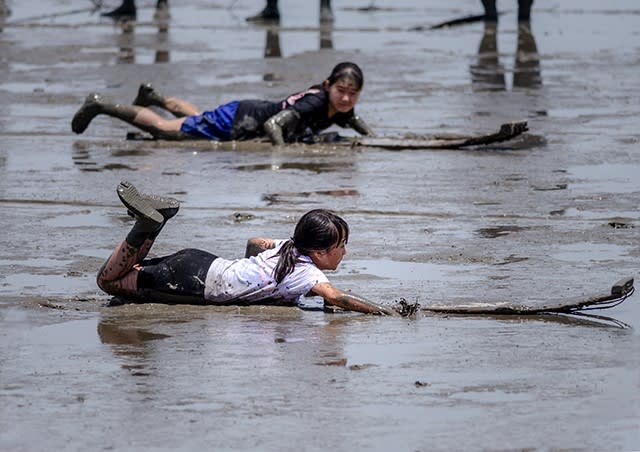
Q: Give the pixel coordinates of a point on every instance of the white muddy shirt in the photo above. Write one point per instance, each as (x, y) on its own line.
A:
(251, 279)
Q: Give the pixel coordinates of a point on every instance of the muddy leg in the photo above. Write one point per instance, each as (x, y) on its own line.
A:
(143, 118)
(119, 274)
(148, 97)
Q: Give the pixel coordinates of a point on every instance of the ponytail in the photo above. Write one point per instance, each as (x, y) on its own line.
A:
(316, 230)
(286, 261)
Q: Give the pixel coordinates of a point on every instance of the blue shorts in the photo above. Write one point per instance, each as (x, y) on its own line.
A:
(213, 125)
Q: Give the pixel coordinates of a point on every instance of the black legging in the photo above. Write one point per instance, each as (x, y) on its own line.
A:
(176, 278)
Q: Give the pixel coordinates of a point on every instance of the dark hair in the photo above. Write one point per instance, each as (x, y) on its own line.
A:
(316, 230)
(349, 71)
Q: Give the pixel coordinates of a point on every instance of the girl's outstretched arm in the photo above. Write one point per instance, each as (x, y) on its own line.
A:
(358, 124)
(349, 301)
(257, 245)
(278, 126)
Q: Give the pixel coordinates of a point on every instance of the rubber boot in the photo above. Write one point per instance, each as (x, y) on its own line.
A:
(490, 11)
(126, 10)
(149, 97)
(524, 10)
(270, 13)
(95, 105)
(167, 207)
(326, 15)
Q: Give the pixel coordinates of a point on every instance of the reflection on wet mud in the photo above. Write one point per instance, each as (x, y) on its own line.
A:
(272, 48)
(126, 41)
(83, 159)
(315, 167)
(111, 333)
(574, 319)
(292, 197)
(488, 74)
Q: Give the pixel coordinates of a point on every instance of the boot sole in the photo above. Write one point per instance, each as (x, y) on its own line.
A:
(141, 208)
(167, 207)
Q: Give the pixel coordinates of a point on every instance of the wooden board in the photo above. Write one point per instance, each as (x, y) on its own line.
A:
(619, 292)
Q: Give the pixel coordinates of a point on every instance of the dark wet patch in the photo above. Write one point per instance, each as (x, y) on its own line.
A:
(511, 260)
(620, 224)
(336, 362)
(239, 217)
(551, 188)
(498, 231)
(361, 366)
(289, 197)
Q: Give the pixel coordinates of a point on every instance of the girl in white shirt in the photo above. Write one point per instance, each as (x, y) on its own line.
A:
(272, 271)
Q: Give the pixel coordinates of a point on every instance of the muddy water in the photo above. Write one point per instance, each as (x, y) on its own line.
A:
(550, 215)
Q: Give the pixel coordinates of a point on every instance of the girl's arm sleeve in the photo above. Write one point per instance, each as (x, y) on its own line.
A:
(349, 301)
(358, 124)
(276, 126)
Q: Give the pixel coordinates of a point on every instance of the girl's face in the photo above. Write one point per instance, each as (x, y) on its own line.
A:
(330, 258)
(343, 96)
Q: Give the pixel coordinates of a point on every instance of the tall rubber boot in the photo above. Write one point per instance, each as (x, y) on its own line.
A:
(167, 207)
(118, 275)
(490, 11)
(524, 10)
(95, 105)
(149, 97)
(270, 14)
(126, 10)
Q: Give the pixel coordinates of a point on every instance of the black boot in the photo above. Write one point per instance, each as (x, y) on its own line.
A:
(270, 13)
(126, 10)
(148, 97)
(524, 10)
(490, 11)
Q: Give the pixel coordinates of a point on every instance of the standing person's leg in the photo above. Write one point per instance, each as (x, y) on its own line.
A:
(149, 97)
(490, 11)
(270, 13)
(524, 10)
(326, 15)
(126, 9)
(143, 118)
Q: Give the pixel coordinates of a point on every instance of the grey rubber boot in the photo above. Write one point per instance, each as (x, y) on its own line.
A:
(148, 220)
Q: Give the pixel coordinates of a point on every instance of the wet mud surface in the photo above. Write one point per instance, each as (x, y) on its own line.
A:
(552, 214)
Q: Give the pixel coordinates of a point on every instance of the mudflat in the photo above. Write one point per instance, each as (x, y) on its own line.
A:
(551, 214)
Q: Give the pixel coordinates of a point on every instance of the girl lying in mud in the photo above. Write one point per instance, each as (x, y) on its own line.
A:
(301, 115)
(272, 270)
